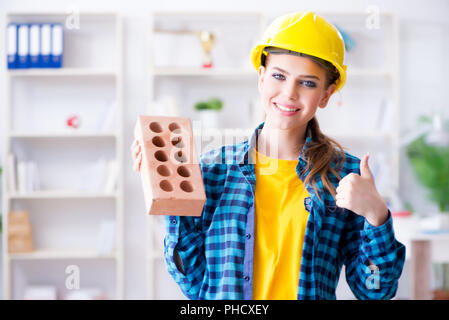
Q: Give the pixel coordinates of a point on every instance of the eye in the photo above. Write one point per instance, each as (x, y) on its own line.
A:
(308, 83)
(278, 76)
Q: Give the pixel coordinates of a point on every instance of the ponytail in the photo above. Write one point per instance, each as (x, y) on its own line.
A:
(320, 155)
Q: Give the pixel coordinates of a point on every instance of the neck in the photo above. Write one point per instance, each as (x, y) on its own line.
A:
(281, 143)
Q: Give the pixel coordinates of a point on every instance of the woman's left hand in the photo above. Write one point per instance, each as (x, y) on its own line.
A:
(358, 193)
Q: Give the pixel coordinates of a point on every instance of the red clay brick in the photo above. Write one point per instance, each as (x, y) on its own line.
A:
(170, 171)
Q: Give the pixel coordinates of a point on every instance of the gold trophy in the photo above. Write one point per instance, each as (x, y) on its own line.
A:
(207, 42)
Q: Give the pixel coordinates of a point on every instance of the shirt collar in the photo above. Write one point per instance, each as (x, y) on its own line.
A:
(251, 143)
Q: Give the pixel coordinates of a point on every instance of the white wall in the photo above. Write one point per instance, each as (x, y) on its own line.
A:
(424, 41)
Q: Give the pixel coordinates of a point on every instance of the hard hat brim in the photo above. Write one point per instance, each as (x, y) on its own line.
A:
(257, 51)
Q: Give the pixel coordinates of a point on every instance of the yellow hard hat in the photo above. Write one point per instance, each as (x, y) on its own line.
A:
(308, 33)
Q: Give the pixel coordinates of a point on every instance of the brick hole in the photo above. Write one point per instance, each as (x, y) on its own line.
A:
(186, 186)
(177, 142)
(180, 157)
(174, 127)
(163, 170)
(166, 185)
(158, 142)
(183, 171)
(155, 127)
(161, 156)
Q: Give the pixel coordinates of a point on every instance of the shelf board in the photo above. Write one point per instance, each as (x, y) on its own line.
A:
(223, 131)
(64, 72)
(73, 134)
(52, 254)
(206, 13)
(364, 72)
(55, 194)
(61, 13)
(195, 72)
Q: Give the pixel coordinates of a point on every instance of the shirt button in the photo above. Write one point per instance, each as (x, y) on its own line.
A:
(173, 221)
(248, 236)
(246, 278)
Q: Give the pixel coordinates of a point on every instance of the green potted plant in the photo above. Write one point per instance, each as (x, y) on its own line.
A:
(209, 111)
(429, 158)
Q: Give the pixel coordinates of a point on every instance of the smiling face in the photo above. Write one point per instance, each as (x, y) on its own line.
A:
(292, 88)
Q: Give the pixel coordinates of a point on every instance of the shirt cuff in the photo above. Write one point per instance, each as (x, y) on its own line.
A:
(382, 236)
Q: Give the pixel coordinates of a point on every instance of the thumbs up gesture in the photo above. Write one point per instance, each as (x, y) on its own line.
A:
(358, 193)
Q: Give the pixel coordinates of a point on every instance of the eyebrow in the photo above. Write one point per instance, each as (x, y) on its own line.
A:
(300, 76)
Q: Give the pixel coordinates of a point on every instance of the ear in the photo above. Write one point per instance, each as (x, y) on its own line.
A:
(261, 73)
(327, 94)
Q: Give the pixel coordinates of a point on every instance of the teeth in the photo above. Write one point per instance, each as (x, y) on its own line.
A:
(285, 108)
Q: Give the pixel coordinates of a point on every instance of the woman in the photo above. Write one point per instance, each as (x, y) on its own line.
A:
(288, 208)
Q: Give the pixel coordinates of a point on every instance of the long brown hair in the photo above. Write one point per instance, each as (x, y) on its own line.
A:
(323, 150)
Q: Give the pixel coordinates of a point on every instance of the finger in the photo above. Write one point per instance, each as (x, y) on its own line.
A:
(346, 181)
(345, 187)
(340, 188)
(134, 144)
(138, 162)
(364, 167)
(340, 196)
(341, 203)
(136, 150)
(339, 192)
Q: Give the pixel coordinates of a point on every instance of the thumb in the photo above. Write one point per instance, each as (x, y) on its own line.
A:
(364, 168)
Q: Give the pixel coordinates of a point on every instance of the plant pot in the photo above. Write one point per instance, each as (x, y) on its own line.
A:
(441, 295)
(209, 118)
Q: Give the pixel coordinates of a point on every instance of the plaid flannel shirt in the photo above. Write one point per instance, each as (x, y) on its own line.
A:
(216, 249)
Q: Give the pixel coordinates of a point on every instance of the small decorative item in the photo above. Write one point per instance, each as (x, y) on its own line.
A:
(347, 39)
(429, 158)
(207, 42)
(73, 122)
(19, 232)
(209, 112)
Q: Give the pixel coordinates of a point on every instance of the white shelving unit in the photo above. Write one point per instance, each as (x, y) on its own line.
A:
(90, 82)
(175, 70)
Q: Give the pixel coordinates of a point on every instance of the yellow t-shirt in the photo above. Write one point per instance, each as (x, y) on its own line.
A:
(280, 223)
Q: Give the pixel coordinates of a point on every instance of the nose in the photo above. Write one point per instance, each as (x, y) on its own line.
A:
(290, 90)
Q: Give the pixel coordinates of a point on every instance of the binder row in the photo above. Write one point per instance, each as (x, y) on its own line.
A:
(34, 45)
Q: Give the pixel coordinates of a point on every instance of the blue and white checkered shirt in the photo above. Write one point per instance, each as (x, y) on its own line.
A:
(217, 249)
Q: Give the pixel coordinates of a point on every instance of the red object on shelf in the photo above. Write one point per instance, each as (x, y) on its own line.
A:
(404, 213)
(73, 122)
(207, 65)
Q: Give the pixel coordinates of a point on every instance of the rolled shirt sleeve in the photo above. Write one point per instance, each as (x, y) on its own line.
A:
(373, 257)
